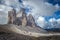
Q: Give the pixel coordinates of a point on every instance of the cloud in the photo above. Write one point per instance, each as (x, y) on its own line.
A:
(5, 8)
(57, 6)
(4, 13)
(53, 23)
(40, 7)
(41, 21)
(58, 21)
(52, 20)
(3, 17)
(12, 3)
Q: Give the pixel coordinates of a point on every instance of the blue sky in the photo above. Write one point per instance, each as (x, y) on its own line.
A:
(43, 11)
(54, 2)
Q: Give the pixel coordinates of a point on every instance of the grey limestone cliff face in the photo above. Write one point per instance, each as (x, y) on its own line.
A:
(11, 16)
(31, 21)
(24, 18)
(18, 21)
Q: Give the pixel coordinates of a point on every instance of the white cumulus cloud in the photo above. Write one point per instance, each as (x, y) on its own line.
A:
(58, 21)
(41, 21)
(52, 20)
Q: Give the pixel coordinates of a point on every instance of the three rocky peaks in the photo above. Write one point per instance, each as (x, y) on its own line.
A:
(23, 20)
